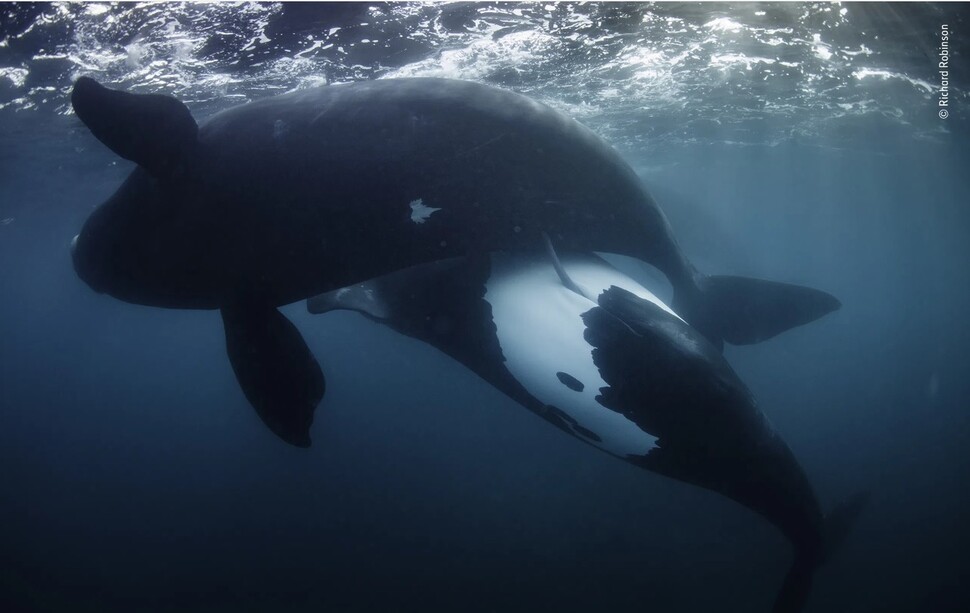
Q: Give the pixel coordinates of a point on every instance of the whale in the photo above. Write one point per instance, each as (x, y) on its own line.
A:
(287, 197)
(603, 358)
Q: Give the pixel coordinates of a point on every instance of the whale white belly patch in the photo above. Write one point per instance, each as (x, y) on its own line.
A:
(540, 330)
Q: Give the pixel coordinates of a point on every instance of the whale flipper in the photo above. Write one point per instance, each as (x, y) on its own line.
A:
(422, 301)
(275, 368)
(441, 303)
(744, 311)
(667, 352)
(366, 298)
(155, 131)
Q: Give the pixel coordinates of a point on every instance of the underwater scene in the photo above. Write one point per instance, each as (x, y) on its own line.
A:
(492, 307)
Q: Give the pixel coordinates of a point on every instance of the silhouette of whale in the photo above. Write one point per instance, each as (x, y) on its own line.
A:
(601, 357)
(287, 197)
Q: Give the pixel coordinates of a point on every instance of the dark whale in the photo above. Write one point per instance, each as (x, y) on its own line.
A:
(602, 358)
(287, 197)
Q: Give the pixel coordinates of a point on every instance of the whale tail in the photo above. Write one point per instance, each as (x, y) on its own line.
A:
(744, 311)
(798, 582)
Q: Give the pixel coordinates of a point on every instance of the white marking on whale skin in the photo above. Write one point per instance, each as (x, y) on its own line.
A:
(420, 212)
(540, 330)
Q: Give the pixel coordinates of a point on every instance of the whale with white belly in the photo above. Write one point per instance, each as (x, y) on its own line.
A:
(603, 358)
(271, 202)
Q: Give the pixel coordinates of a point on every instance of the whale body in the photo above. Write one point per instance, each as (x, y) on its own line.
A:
(287, 197)
(604, 359)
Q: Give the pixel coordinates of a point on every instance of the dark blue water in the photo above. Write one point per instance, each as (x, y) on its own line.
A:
(134, 476)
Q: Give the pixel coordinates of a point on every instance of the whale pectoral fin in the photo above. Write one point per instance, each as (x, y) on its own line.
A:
(441, 303)
(275, 368)
(155, 131)
(405, 299)
(644, 352)
(365, 298)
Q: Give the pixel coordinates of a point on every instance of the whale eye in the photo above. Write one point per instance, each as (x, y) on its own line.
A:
(570, 381)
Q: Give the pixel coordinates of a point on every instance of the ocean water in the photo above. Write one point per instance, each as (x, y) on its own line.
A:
(795, 142)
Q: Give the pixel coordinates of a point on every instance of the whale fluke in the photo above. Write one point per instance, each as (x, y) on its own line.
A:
(836, 526)
(839, 522)
(155, 131)
(275, 368)
(744, 311)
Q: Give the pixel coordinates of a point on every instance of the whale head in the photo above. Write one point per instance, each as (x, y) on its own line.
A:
(145, 244)
(139, 246)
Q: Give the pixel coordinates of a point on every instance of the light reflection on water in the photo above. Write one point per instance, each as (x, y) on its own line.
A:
(636, 73)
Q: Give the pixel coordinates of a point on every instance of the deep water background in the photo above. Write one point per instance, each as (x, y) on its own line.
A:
(135, 477)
